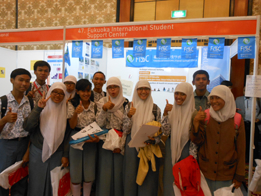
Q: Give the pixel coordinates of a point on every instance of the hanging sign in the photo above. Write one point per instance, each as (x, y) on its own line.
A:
(97, 49)
(118, 48)
(189, 49)
(246, 47)
(77, 49)
(216, 48)
(163, 48)
(139, 47)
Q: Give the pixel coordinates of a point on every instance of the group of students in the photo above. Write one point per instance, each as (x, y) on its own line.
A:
(41, 133)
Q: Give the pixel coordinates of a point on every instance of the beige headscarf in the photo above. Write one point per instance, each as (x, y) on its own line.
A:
(53, 122)
(73, 79)
(229, 109)
(180, 119)
(143, 112)
(119, 100)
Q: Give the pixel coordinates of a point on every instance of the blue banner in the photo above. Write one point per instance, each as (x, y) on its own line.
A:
(216, 48)
(150, 60)
(77, 49)
(189, 49)
(246, 47)
(163, 48)
(139, 48)
(97, 49)
(118, 48)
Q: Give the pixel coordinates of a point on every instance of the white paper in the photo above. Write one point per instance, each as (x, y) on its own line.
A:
(253, 86)
(88, 130)
(142, 135)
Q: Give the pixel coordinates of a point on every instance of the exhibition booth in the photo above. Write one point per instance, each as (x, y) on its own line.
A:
(162, 73)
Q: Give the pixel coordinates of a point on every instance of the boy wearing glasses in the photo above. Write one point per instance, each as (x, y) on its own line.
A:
(42, 70)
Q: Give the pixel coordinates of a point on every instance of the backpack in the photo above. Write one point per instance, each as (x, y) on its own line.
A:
(4, 104)
(237, 122)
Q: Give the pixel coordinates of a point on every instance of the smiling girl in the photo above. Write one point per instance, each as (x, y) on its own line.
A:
(176, 122)
(222, 144)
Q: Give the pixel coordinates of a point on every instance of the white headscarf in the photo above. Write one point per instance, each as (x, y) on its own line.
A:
(73, 79)
(119, 100)
(229, 109)
(180, 119)
(143, 112)
(53, 122)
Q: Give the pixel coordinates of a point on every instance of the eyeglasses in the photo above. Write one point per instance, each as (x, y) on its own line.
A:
(112, 87)
(69, 83)
(143, 89)
(56, 93)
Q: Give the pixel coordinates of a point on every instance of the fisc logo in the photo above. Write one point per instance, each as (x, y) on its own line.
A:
(139, 41)
(163, 41)
(96, 44)
(96, 50)
(189, 42)
(163, 48)
(215, 48)
(246, 41)
(77, 43)
(139, 48)
(117, 49)
(130, 58)
(117, 43)
(216, 41)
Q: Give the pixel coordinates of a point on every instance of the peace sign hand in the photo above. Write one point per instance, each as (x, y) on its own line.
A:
(79, 109)
(32, 92)
(42, 102)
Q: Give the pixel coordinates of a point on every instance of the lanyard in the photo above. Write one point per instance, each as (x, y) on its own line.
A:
(35, 85)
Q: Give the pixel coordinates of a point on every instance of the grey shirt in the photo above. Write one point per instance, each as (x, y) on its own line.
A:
(201, 101)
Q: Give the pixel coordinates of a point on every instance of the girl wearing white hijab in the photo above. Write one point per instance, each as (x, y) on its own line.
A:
(110, 116)
(176, 122)
(70, 82)
(49, 137)
(140, 111)
(222, 142)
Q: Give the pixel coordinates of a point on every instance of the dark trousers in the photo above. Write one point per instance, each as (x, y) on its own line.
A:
(12, 151)
(248, 131)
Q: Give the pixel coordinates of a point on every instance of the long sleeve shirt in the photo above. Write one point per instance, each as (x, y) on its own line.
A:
(221, 156)
(32, 125)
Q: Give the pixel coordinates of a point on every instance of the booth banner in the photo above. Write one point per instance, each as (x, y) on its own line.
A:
(139, 47)
(118, 48)
(163, 48)
(87, 52)
(77, 49)
(189, 48)
(246, 47)
(216, 48)
(97, 49)
(150, 60)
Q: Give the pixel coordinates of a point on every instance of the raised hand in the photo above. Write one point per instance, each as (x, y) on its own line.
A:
(109, 105)
(32, 92)
(79, 108)
(10, 116)
(42, 102)
(201, 115)
(132, 111)
(168, 108)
